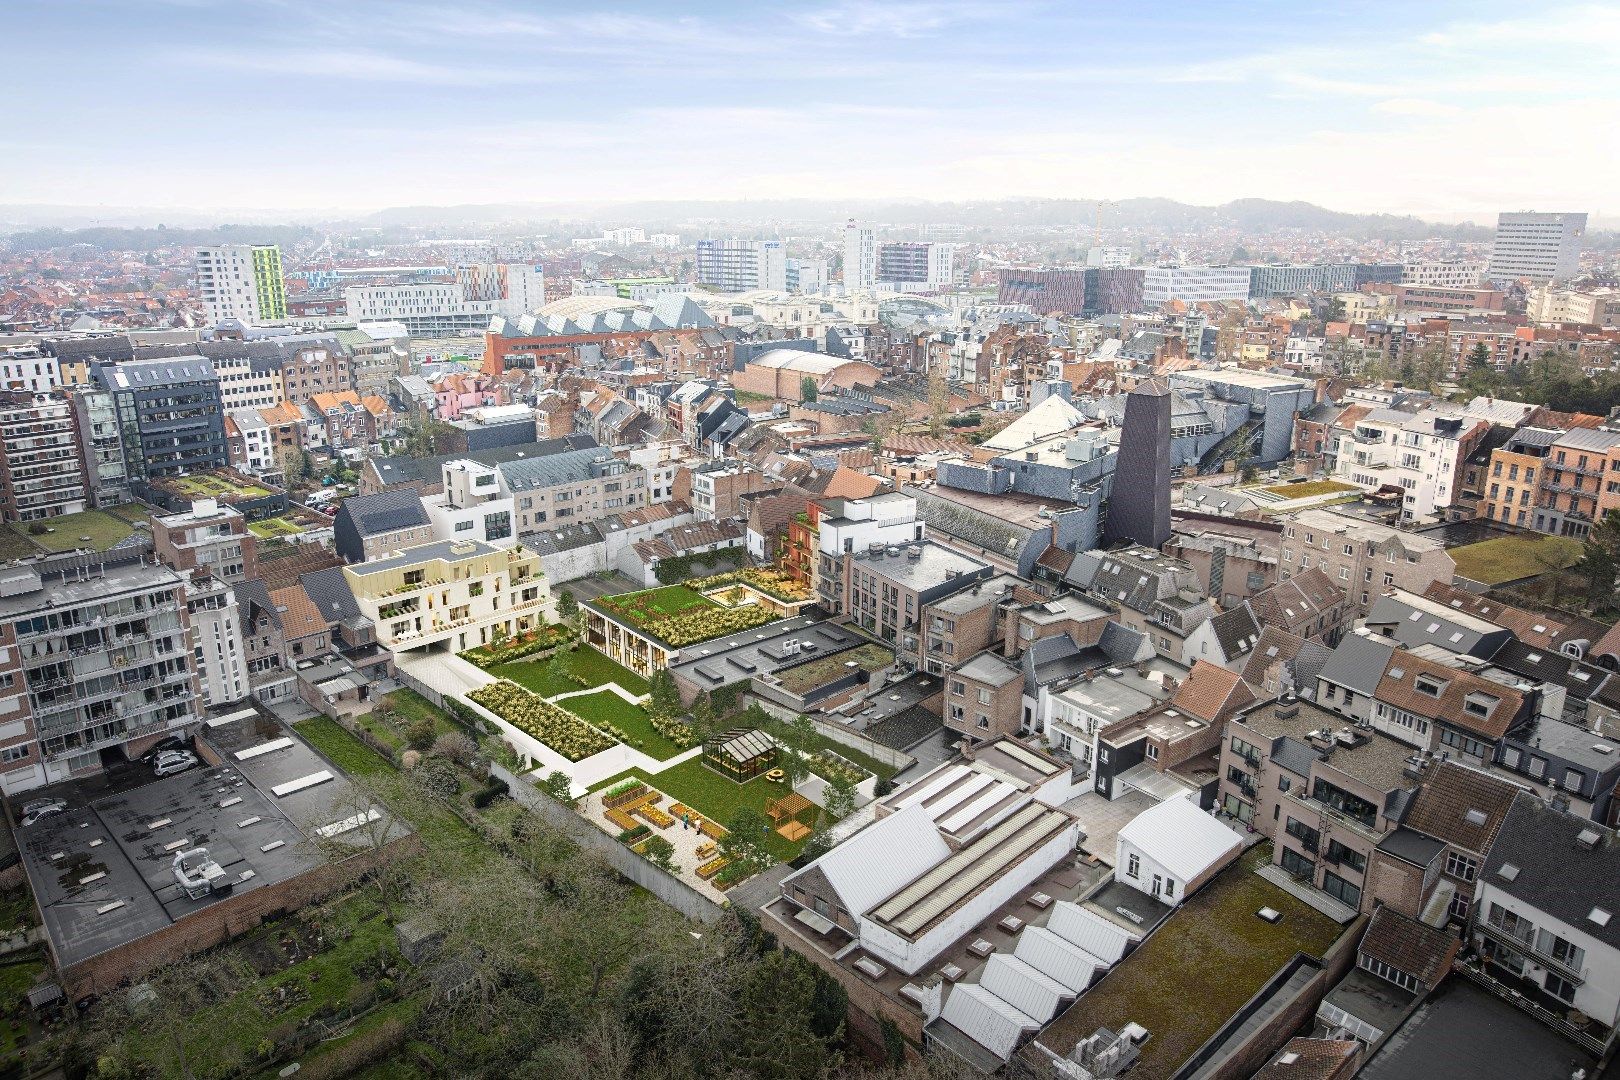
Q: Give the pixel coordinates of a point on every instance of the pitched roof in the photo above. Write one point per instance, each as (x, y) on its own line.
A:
(1527, 626)
(1359, 662)
(1408, 945)
(1311, 1059)
(1180, 837)
(1212, 692)
(386, 511)
(1554, 871)
(1236, 630)
(299, 615)
(1398, 687)
(329, 591)
(1460, 805)
(1299, 600)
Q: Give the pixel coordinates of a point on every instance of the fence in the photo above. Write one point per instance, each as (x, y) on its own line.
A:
(667, 887)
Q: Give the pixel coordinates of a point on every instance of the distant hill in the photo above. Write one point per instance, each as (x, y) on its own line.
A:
(114, 238)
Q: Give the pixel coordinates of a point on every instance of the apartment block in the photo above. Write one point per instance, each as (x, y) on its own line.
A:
(169, 415)
(242, 282)
(1579, 483)
(208, 540)
(1362, 557)
(885, 589)
(450, 594)
(105, 660)
(742, 265)
(1537, 246)
(41, 471)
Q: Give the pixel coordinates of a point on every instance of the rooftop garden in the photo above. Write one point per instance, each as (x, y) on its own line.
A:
(215, 486)
(95, 529)
(1511, 558)
(271, 528)
(822, 670)
(1310, 488)
(506, 650)
(772, 583)
(558, 728)
(716, 797)
(1216, 931)
(680, 616)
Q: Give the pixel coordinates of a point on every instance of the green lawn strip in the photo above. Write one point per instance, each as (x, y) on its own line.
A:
(590, 665)
(235, 1026)
(414, 707)
(103, 529)
(606, 707)
(715, 796)
(1217, 932)
(272, 527)
(1509, 558)
(131, 512)
(669, 600)
(1309, 488)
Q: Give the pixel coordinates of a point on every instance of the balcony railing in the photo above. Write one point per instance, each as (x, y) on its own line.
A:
(1531, 952)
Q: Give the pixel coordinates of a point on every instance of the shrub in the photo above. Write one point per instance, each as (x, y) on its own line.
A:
(883, 787)
(454, 746)
(489, 793)
(38, 529)
(420, 735)
(630, 836)
(515, 648)
(558, 728)
(437, 778)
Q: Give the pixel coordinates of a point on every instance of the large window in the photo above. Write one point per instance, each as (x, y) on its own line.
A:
(1343, 801)
(1341, 890)
(1297, 864)
(1559, 987)
(1461, 866)
(1350, 857)
(1308, 837)
(1389, 974)
(1512, 924)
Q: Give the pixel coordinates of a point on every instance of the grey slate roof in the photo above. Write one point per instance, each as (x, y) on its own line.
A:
(1293, 755)
(1556, 873)
(386, 511)
(568, 467)
(330, 592)
(564, 538)
(1236, 630)
(969, 525)
(1454, 634)
(403, 469)
(1359, 663)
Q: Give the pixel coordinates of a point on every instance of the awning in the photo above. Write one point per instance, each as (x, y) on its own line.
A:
(1153, 783)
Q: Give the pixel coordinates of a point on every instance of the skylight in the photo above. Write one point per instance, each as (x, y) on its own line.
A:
(1475, 817)
(1599, 916)
(1508, 872)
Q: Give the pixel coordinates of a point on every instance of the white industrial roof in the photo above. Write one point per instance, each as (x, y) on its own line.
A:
(1180, 837)
(1057, 958)
(1089, 931)
(881, 859)
(986, 1019)
(1054, 416)
(797, 360)
(1023, 986)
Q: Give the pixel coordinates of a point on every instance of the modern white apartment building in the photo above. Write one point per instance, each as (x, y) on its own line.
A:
(910, 266)
(624, 236)
(425, 308)
(1595, 307)
(450, 595)
(1108, 256)
(242, 282)
(1192, 284)
(216, 641)
(472, 506)
(1449, 275)
(741, 265)
(1419, 452)
(1541, 247)
(246, 383)
(860, 257)
(667, 241)
(29, 368)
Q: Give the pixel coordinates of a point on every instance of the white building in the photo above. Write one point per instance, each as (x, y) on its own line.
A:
(247, 384)
(886, 520)
(472, 506)
(1544, 910)
(1541, 247)
(630, 235)
(478, 293)
(1171, 849)
(29, 368)
(1450, 275)
(742, 265)
(1108, 256)
(860, 257)
(667, 241)
(243, 282)
(1194, 284)
(1420, 452)
(216, 641)
(1593, 307)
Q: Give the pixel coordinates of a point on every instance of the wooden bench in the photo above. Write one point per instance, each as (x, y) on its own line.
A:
(705, 850)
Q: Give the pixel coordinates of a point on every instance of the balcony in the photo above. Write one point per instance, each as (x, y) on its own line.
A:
(1531, 952)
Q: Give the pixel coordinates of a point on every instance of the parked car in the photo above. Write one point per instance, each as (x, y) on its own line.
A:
(35, 809)
(173, 761)
(163, 745)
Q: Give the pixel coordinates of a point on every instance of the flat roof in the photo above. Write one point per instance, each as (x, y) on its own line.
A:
(934, 562)
(760, 651)
(1379, 761)
(102, 871)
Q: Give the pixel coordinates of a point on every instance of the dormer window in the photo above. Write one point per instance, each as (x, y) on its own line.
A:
(1426, 684)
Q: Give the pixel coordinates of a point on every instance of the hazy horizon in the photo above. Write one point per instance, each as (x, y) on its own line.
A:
(304, 110)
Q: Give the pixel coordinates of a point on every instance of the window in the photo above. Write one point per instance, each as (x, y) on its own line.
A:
(1152, 752)
(1393, 975)
(1559, 987)
(1297, 864)
(1461, 866)
(464, 526)
(1169, 887)
(1565, 953)
(14, 753)
(984, 721)
(1283, 783)
(958, 687)
(984, 696)
(1345, 856)
(1511, 923)
(1133, 866)
(1341, 890)
(1424, 684)
(1573, 779)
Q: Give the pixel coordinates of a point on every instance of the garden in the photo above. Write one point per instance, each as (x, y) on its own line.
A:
(536, 717)
(581, 668)
(1512, 558)
(804, 678)
(518, 646)
(273, 528)
(680, 616)
(631, 724)
(772, 583)
(95, 529)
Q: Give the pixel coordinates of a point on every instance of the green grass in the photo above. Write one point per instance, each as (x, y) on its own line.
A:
(103, 529)
(640, 607)
(1509, 558)
(273, 527)
(15, 545)
(413, 707)
(748, 397)
(16, 979)
(1216, 933)
(590, 665)
(1309, 488)
(715, 796)
(130, 512)
(806, 677)
(606, 707)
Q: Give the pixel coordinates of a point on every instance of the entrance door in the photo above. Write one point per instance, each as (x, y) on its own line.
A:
(1158, 886)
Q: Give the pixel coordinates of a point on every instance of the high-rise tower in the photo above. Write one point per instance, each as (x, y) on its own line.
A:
(1139, 504)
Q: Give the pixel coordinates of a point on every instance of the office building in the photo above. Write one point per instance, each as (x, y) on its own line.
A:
(169, 415)
(242, 282)
(1044, 291)
(1591, 307)
(1449, 275)
(1108, 256)
(860, 257)
(741, 265)
(103, 661)
(467, 300)
(1540, 247)
(1194, 284)
(41, 473)
(1139, 504)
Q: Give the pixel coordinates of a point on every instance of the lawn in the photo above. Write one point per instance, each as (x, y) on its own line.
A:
(208, 486)
(585, 662)
(1216, 933)
(1510, 558)
(748, 397)
(270, 528)
(130, 512)
(103, 529)
(14, 545)
(806, 677)
(645, 607)
(606, 707)
(413, 707)
(716, 796)
(1310, 488)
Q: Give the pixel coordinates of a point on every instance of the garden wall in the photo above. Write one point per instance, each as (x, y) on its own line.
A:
(668, 888)
(899, 759)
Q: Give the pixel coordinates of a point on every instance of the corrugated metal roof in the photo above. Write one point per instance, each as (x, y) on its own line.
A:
(1056, 958)
(1090, 931)
(1181, 838)
(1023, 987)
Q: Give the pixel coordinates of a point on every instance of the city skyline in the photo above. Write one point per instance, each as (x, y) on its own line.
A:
(502, 102)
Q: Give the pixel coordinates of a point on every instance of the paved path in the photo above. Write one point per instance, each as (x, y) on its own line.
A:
(613, 686)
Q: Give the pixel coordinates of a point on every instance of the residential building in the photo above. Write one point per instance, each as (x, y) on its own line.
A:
(1544, 919)
(42, 472)
(30, 368)
(1576, 489)
(1173, 849)
(742, 265)
(1536, 246)
(860, 258)
(569, 487)
(1591, 307)
(781, 374)
(911, 266)
(885, 589)
(1454, 275)
(217, 644)
(208, 540)
(105, 659)
(1513, 482)
(472, 505)
(453, 594)
(242, 282)
(376, 526)
(1326, 795)
(1155, 595)
(378, 353)
(1376, 556)
(1172, 749)
(169, 416)
(1193, 284)
(100, 446)
(247, 381)
(465, 302)
(1422, 453)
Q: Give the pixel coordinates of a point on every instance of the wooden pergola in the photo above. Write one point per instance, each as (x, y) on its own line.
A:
(785, 813)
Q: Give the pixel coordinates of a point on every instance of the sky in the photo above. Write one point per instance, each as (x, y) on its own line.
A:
(1446, 110)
